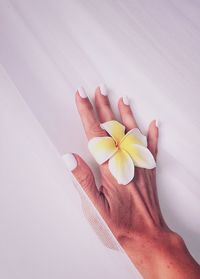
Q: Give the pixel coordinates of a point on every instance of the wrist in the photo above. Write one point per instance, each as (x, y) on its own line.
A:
(159, 253)
(157, 242)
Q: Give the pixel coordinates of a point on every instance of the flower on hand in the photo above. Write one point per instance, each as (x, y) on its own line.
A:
(122, 151)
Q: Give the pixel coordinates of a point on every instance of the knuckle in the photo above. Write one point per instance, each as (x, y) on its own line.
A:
(104, 104)
(86, 180)
(86, 106)
(96, 130)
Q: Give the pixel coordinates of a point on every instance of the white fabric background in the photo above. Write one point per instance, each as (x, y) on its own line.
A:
(148, 50)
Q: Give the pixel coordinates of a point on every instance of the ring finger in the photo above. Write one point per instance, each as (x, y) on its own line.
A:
(102, 104)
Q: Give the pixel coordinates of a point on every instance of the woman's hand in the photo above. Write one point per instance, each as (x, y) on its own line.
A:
(132, 212)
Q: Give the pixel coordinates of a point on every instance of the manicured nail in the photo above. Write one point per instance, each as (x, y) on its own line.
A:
(157, 123)
(70, 161)
(82, 92)
(103, 90)
(125, 100)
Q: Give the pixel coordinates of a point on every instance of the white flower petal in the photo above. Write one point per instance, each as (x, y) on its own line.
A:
(141, 156)
(134, 136)
(121, 166)
(115, 129)
(102, 148)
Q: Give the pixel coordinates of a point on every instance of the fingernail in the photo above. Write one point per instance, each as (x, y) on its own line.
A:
(157, 123)
(82, 92)
(103, 90)
(70, 161)
(125, 100)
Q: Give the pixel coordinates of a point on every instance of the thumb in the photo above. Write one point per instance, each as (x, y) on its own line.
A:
(83, 174)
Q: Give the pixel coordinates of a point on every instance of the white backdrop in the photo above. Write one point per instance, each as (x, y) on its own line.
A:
(148, 50)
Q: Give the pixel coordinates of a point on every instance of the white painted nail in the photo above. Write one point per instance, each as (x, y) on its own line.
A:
(70, 161)
(103, 89)
(82, 92)
(125, 100)
(157, 123)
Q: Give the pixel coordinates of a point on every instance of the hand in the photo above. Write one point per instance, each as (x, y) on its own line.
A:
(132, 212)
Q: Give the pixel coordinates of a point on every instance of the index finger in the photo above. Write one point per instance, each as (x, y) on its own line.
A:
(90, 122)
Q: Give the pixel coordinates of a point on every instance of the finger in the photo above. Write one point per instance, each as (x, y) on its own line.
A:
(126, 113)
(90, 123)
(83, 175)
(102, 103)
(152, 138)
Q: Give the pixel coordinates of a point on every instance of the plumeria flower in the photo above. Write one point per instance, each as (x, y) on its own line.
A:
(122, 151)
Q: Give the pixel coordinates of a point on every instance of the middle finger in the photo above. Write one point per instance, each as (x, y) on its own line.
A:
(102, 103)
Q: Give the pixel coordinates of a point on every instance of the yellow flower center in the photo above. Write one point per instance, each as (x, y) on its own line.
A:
(117, 144)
